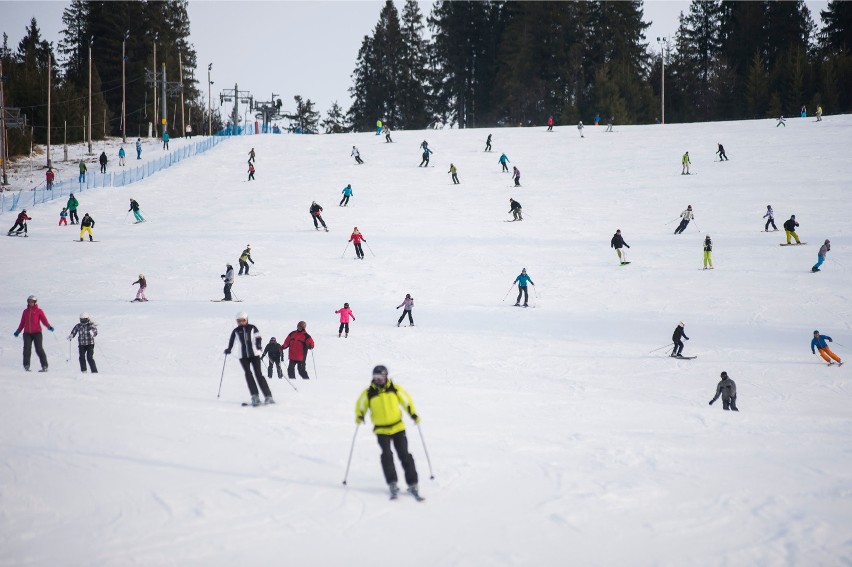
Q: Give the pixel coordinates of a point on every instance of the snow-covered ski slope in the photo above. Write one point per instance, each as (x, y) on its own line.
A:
(555, 437)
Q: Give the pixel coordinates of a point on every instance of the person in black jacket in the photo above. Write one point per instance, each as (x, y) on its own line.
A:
(618, 242)
(103, 162)
(678, 344)
(516, 210)
(726, 388)
(250, 344)
(274, 352)
(721, 152)
(790, 228)
(316, 213)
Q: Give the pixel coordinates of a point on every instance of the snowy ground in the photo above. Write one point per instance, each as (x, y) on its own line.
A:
(555, 437)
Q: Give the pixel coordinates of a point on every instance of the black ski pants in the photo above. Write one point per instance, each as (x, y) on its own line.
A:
(682, 226)
(772, 222)
(678, 347)
(31, 339)
(425, 161)
(319, 218)
(22, 225)
(344, 200)
(400, 443)
(723, 156)
(251, 176)
(87, 352)
(103, 168)
(487, 146)
(277, 364)
(522, 290)
(243, 266)
(455, 179)
(404, 313)
(518, 181)
(300, 364)
(388, 138)
(359, 160)
(505, 167)
(253, 362)
(72, 216)
(228, 292)
(359, 251)
(343, 326)
(730, 403)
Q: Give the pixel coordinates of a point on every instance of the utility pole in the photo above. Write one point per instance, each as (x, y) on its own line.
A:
(123, 98)
(209, 108)
(663, 42)
(156, 122)
(165, 119)
(91, 41)
(3, 125)
(180, 74)
(49, 69)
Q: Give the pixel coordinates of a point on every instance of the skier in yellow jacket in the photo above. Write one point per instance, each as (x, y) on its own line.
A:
(383, 399)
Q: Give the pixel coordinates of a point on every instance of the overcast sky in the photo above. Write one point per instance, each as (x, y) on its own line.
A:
(289, 48)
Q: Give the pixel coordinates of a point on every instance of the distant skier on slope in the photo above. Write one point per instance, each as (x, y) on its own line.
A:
(86, 225)
(708, 251)
(823, 251)
(454, 172)
(85, 331)
(228, 278)
(609, 124)
(425, 161)
(686, 163)
(818, 343)
(21, 224)
(488, 144)
(618, 242)
(516, 175)
(357, 155)
(676, 339)
(299, 342)
(726, 388)
(387, 132)
(685, 217)
(770, 216)
(503, 161)
(143, 285)
(408, 305)
(516, 210)
(31, 321)
(356, 238)
(347, 192)
(721, 152)
(316, 213)
(251, 156)
(790, 229)
(522, 280)
(345, 314)
(134, 206)
(245, 258)
(781, 122)
(274, 354)
(250, 172)
(550, 123)
(250, 344)
(580, 128)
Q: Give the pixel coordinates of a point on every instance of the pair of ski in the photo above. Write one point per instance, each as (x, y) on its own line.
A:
(226, 300)
(411, 490)
(679, 357)
(24, 234)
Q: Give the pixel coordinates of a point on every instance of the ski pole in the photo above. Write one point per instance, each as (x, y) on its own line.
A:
(671, 221)
(508, 292)
(351, 450)
(696, 225)
(70, 349)
(222, 376)
(661, 348)
(125, 217)
(314, 360)
(235, 296)
(371, 250)
(428, 460)
(344, 250)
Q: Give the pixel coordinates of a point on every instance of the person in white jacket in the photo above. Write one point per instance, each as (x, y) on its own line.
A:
(685, 217)
(228, 277)
(408, 304)
(580, 128)
(357, 155)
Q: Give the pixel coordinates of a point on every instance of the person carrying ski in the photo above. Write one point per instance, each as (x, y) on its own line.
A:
(425, 161)
(357, 155)
(134, 206)
(356, 238)
(550, 123)
(770, 215)
(138, 148)
(275, 353)
(63, 216)
(83, 169)
(818, 343)
(503, 160)
(245, 258)
(347, 192)
(516, 175)
(86, 225)
(522, 280)
(383, 399)
(676, 339)
(72, 205)
(121, 155)
(143, 285)
(21, 224)
(686, 163)
(103, 161)
(488, 144)
(454, 173)
(250, 172)
(516, 210)
(250, 344)
(618, 243)
(299, 342)
(31, 320)
(708, 251)
(726, 388)
(407, 305)
(387, 132)
(316, 213)
(721, 152)
(580, 128)
(345, 315)
(85, 331)
(49, 176)
(378, 126)
(790, 229)
(823, 250)
(781, 122)
(165, 140)
(228, 278)
(685, 217)
(251, 156)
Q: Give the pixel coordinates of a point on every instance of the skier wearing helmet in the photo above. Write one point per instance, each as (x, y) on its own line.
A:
(31, 321)
(685, 217)
(250, 345)
(85, 331)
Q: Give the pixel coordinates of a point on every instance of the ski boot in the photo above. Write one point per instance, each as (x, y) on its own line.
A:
(255, 400)
(43, 369)
(414, 491)
(394, 490)
(268, 400)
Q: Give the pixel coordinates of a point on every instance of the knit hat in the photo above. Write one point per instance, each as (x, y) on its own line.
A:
(724, 374)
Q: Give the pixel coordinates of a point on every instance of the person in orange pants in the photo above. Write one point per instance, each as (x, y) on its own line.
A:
(818, 343)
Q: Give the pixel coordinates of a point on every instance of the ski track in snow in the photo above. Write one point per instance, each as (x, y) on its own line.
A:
(555, 435)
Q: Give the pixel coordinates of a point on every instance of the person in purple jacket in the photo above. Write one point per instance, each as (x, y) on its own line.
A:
(408, 305)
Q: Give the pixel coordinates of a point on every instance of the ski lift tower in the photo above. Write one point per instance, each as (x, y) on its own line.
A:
(268, 111)
(236, 96)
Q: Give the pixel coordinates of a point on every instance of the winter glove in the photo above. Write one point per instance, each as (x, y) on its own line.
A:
(627, 245)
(69, 337)
(711, 402)
(227, 351)
(50, 329)
(222, 276)
(416, 418)
(17, 333)
(399, 306)
(359, 420)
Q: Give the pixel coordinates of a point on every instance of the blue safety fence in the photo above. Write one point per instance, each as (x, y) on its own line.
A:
(14, 200)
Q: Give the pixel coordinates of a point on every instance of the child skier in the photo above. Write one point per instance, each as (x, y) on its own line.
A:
(407, 305)
(708, 250)
(316, 213)
(503, 159)
(250, 172)
(550, 123)
(245, 258)
(790, 229)
(121, 155)
(347, 192)
(143, 285)
(454, 173)
(818, 342)
(134, 206)
(356, 238)
(85, 331)
(685, 217)
(781, 122)
(275, 353)
(63, 216)
(618, 242)
(676, 339)
(726, 388)
(516, 175)
(387, 135)
(228, 278)
(823, 250)
(345, 315)
(86, 225)
(250, 344)
(770, 216)
(357, 155)
(522, 280)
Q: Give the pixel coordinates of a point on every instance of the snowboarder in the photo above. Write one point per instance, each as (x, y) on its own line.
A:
(85, 331)
(250, 172)
(708, 250)
(488, 144)
(790, 229)
(383, 399)
(387, 135)
(228, 278)
(781, 122)
(143, 285)
(685, 217)
(770, 216)
(407, 305)
(347, 192)
(165, 140)
(356, 239)
(516, 175)
(726, 388)
(316, 213)
(134, 206)
(250, 344)
(721, 152)
(83, 169)
(138, 148)
(686, 163)
(454, 173)
(580, 128)
(63, 216)
(618, 242)
(276, 354)
(245, 258)
(251, 155)
(121, 155)
(516, 210)
(676, 339)
(425, 161)
(609, 124)
(49, 176)
(378, 126)
(345, 315)
(86, 225)
(550, 123)
(72, 205)
(357, 155)
(299, 342)
(819, 113)
(522, 280)
(818, 343)
(20, 224)
(823, 250)
(503, 161)
(31, 320)
(103, 161)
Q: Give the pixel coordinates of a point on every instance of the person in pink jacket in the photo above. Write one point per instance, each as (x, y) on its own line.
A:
(345, 315)
(31, 320)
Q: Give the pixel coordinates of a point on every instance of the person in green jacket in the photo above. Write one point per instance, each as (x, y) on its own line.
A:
(686, 163)
(72, 208)
(83, 169)
(383, 400)
(455, 174)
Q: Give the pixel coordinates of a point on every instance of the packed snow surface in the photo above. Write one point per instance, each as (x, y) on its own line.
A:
(557, 435)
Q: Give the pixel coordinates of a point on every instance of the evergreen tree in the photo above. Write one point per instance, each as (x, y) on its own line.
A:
(334, 121)
(414, 70)
(305, 117)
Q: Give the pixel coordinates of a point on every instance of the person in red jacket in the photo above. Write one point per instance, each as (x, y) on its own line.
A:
(49, 176)
(550, 124)
(21, 222)
(31, 320)
(356, 239)
(299, 342)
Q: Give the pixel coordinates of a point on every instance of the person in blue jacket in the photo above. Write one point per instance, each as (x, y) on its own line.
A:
(522, 281)
(425, 161)
(165, 140)
(503, 161)
(347, 192)
(138, 148)
(818, 342)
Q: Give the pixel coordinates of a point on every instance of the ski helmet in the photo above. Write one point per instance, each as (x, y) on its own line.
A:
(681, 324)
(816, 332)
(141, 276)
(272, 339)
(724, 374)
(23, 211)
(345, 305)
(32, 298)
(689, 207)
(380, 371)
(84, 316)
(242, 316)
